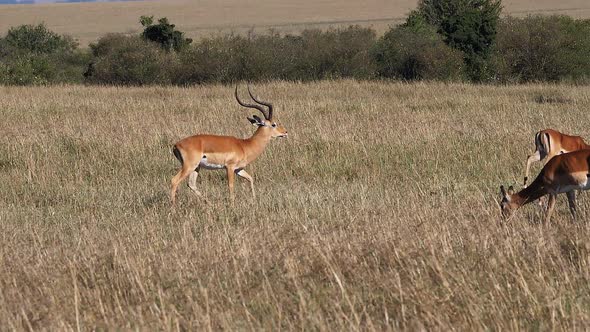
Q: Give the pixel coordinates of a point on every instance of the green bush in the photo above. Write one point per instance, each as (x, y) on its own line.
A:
(163, 33)
(33, 55)
(271, 56)
(32, 69)
(217, 59)
(27, 69)
(416, 54)
(311, 56)
(433, 44)
(336, 53)
(124, 60)
(542, 48)
(37, 39)
(467, 25)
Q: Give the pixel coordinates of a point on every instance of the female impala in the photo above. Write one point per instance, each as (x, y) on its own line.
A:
(563, 173)
(549, 143)
(217, 152)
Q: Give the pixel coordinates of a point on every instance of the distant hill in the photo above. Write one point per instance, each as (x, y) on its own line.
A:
(29, 2)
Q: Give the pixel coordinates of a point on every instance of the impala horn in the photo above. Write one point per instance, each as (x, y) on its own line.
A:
(267, 104)
(258, 107)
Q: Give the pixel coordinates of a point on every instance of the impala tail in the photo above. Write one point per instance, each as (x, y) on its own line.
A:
(177, 154)
(550, 143)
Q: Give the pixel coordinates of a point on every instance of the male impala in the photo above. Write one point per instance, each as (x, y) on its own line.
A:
(563, 173)
(231, 153)
(549, 143)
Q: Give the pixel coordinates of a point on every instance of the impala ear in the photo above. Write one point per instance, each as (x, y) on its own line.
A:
(506, 194)
(510, 190)
(256, 121)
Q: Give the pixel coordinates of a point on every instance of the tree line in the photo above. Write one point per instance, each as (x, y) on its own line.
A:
(444, 40)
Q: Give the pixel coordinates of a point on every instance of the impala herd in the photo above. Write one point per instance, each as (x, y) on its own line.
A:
(566, 170)
(567, 161)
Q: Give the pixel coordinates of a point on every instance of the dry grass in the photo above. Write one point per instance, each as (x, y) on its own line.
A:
(377, 213)
(88, 21)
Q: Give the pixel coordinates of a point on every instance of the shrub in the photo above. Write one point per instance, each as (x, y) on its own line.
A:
(467, 25)
(217, 59)
(26, 69)
(231, 57)
(542, 48)
(312, 55)
(37, 39)
(413, 54)
(336, 53)
(164, 34)
(271, 56)
(124, 60)
(32, 55)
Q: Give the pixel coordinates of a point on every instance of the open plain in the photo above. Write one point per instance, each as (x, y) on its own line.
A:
(378, 212)
(87, 22)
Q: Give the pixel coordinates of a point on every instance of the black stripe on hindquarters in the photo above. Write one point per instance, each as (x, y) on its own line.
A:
(548, 142)
(177, 154)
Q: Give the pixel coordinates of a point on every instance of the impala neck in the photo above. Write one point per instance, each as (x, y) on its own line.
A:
(531, 193)
(255, 145)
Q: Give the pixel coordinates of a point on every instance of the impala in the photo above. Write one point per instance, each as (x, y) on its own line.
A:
(225, 152)
(563, 173)
(549, 143)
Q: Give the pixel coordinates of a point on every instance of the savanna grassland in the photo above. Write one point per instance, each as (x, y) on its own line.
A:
(378, 212)
(87, 22)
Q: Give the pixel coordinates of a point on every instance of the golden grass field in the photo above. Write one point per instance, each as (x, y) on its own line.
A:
(89, 21)
(379, 212)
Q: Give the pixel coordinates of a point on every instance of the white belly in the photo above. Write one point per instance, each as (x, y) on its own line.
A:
(580, 183)
(585, 185)
(203, 163)
(565, 189)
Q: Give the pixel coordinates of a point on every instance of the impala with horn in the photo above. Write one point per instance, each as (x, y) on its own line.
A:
(226, 152)
(564, 173)
(549, 143)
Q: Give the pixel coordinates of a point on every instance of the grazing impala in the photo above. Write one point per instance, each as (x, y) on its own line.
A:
(225, 152)
(549, 143)
(563, 173)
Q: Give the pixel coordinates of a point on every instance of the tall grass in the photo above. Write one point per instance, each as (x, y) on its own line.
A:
(378, 212)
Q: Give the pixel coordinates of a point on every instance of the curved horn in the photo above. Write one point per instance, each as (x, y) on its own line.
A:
(267, 104)
(262, 110)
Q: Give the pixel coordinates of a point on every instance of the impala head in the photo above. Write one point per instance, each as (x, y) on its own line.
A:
(507, 205)
(276, 130)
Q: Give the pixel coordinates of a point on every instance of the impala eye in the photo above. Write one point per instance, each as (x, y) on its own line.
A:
(274, 125)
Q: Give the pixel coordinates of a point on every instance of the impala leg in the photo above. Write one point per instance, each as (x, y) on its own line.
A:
(192, 182)
(230, 181)
(531, 159)
(181, 175)
(248, 177)
(546, 157)
(571, 200)
(550, 207)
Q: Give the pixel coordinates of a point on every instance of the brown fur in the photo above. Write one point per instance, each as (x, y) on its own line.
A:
(231, 152)
(549, 143)
(563, 173)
